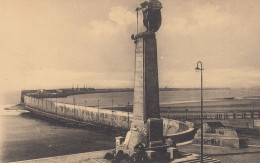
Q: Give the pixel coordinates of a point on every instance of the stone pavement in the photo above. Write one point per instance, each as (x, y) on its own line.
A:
(88, 157)
(194, 158)
(97, 157)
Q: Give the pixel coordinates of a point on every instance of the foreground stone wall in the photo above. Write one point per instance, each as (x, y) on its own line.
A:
(224, 137)
(118, 119)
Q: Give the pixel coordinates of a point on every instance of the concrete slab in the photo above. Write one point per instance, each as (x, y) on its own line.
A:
(98, 157)
(88, 157)
(194, 158)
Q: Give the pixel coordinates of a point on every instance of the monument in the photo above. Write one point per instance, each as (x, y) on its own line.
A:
(147, 126)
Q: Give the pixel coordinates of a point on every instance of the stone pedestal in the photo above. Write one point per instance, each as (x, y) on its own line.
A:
(155, 132)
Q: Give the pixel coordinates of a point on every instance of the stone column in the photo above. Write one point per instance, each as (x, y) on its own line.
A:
(146, 91)
(146, 127)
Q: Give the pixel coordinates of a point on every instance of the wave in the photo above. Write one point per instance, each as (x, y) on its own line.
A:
(5, 111)
(184, 102)
(227, 98)
(251, 97)
(6, 106)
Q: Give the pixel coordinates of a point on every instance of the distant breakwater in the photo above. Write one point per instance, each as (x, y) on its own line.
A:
(65, 92)
(61, 93)
(94, 115)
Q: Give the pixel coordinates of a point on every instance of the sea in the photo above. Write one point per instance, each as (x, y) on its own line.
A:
(24, 137)
(39, 139)
(178, 100)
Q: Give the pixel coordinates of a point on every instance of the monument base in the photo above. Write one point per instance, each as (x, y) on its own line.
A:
(132, 139)
(150, 142)
(155, 151)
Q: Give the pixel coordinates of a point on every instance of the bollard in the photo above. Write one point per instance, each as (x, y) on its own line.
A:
(173, 152)
(119, 140)
(151, 154)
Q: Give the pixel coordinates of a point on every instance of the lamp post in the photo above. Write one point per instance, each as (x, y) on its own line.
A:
(112, 112)
(74, 102)
(128, 110)
(201, 112)
(38, 99)
(98, 110)
(112, 103)
(186, 114)
(253, 116)
(56, 106)
(169, 113)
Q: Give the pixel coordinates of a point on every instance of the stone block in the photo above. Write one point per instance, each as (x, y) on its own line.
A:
(156, 143)
(155, 128)
(119, 140)
(151, 154)
(167, 156)
(169, 142)
(174, 153)
(231, 142)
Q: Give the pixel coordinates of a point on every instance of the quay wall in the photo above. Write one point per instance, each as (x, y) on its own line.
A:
(96, 115)
(85, 114)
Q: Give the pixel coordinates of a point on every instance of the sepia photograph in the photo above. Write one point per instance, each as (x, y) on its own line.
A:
(129, 81)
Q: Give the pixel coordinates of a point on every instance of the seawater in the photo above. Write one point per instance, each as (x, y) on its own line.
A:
(10, 97)
(218, 98)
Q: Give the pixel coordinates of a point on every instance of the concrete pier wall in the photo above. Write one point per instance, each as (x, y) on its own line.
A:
(95, 115)
(87, 114)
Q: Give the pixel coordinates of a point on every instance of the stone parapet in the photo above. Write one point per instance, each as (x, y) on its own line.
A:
(171, 128)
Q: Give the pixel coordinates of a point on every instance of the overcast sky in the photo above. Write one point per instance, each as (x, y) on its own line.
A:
(58, 43)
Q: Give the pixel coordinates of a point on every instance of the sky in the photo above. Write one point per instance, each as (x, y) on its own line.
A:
(60, 43)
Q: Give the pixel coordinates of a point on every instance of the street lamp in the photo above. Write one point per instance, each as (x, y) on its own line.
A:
(128, 110)
(253, 115)
(98, 110)
(186, 114)
(201, 112)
